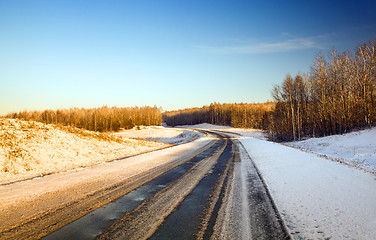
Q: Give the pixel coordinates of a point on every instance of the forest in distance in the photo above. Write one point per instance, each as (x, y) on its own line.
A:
(338, 95)
(103, 119)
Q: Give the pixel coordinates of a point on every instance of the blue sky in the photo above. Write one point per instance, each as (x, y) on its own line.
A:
(173, 54)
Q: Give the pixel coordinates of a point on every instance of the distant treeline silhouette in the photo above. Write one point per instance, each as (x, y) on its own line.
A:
(96, 119)
(242, 115)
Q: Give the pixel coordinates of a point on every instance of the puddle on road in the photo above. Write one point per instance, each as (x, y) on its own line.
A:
(91, 225)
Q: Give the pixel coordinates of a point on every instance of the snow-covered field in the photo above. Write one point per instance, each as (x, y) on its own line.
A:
(357, 149)
(30, 149)
(318, 198)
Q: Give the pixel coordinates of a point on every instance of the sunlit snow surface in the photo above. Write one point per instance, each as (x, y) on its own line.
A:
(357, 149)
(30, 149)
(161, 134)
(318, 198)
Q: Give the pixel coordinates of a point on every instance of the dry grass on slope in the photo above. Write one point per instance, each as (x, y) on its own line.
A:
(29, 149)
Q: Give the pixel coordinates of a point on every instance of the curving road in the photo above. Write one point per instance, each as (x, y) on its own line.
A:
(211, 190)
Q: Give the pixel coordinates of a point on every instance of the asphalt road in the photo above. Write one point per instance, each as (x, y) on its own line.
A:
(217, 193)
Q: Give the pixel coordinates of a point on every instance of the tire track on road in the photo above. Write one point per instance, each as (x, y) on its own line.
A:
(145, 219)
(57, 209)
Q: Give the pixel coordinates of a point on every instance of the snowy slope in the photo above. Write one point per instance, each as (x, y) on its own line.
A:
(357, 149)
(30, 149)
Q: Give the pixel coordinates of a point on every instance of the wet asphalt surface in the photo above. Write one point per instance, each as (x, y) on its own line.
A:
(186, 221)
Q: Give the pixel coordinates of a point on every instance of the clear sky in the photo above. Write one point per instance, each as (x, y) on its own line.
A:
(173, 54)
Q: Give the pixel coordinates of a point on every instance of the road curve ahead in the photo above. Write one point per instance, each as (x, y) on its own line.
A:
(217, 193)
(220, 197)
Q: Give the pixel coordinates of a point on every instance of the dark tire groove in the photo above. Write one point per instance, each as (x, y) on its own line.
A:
(196, 206)
(266, 221)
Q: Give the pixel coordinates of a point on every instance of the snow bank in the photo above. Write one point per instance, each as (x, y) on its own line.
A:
(184, 137)
(161, 134)
(29, 149)
(357, 149)
(256, 133)
(204, 126)
(319, 199)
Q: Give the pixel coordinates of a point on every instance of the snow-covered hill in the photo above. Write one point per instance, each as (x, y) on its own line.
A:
(357, 149)
(29, 149)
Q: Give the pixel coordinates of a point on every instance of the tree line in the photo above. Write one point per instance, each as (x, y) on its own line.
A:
(242, 115)
(337, 96)
(96, 119)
